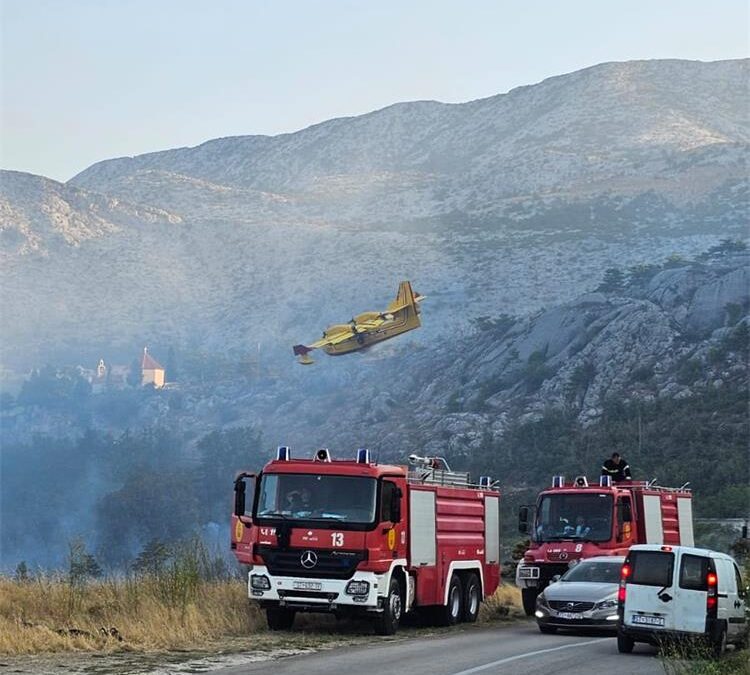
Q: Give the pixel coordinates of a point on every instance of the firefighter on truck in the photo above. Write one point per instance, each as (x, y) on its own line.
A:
(572, 520)
(354, 537)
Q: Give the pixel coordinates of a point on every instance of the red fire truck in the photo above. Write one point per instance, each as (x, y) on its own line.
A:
(353, 536)
(576, 520)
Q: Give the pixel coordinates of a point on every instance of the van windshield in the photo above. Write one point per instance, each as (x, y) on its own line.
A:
(576, 515)
(651, 568)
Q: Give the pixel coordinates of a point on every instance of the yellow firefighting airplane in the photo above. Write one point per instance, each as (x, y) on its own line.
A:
(368, 328)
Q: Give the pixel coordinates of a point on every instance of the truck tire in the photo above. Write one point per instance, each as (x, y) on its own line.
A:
(387, 622)
(625, 644)
(450, 614)
(472, 599)
(528, 596)
(279, 618)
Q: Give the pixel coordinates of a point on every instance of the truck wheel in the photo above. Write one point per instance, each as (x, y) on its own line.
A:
(528, 596)
(387, 622)
(625, 644)
(279, 618)
(449, 614)
(472, 599)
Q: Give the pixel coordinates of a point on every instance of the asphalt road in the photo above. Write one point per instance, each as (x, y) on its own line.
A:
(510, 650)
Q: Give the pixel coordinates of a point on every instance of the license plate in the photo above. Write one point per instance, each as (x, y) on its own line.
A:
(307, 585)
(528, 573)
(569, 615)
(648, 620)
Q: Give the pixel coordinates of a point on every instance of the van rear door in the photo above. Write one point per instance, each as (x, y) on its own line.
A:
(650, 593)
(692, 593)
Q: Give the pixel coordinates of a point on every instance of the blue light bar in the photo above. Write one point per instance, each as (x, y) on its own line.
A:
(558, 481)
(283, 453)
(605, 481)
(363, 456)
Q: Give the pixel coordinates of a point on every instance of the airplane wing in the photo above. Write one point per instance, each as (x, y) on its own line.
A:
(339, 334)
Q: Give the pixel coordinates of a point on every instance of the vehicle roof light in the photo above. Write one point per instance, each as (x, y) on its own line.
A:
(558, 481)
(323, 455)
(666, 548)
(605, 481)
(581, 481)
(283, 453)
(363, 456)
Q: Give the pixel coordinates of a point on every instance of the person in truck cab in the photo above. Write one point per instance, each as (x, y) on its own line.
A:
(579, 530)
(298, 500)
(616, 467)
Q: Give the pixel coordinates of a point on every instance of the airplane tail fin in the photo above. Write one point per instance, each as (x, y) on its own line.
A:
(405, 296)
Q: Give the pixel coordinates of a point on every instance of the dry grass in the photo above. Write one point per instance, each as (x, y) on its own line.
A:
(156, 614)
(504, 605)
(50, 615)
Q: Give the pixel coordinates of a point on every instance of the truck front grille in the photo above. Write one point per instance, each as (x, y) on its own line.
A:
(328, 565)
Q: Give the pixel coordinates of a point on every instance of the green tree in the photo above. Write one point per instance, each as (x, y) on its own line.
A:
(134, 377)
(81, 564)
(22, 572)
(152, 559)
(613, 281)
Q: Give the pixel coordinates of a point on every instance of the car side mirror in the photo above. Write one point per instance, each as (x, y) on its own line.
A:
(555, 578)
(240, 494)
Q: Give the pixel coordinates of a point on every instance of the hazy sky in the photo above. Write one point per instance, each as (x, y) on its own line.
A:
(84, 80)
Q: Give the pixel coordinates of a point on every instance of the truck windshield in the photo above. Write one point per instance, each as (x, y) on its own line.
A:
(585, 517)
(305, 497)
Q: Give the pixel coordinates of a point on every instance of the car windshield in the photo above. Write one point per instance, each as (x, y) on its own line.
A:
(334, 499)
(580, 516)
(594, 571)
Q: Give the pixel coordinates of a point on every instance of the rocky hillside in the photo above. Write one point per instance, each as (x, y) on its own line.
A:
(503, 205)
(626, 140)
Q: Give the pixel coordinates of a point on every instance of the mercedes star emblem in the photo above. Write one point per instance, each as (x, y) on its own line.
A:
(308, 559)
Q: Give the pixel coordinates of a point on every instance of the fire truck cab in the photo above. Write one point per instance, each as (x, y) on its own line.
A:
(356, 537)
(574, 520)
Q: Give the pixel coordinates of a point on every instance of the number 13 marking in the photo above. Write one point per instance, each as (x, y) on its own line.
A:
(337, 538)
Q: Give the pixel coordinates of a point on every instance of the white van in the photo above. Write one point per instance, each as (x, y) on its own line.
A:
(680, 592)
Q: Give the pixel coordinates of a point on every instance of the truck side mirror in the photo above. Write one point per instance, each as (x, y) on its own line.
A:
(396, 505)
(523, 520)
(240, 490)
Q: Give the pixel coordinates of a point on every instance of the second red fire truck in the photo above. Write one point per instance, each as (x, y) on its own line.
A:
(351, 536)
(574, 520)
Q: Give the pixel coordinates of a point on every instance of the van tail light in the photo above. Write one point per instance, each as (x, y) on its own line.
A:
(624, 574)
(712, 599)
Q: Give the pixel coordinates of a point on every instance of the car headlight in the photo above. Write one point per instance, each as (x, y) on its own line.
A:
(541, 601)
(260, 582)
(610, 603)
(358, 587)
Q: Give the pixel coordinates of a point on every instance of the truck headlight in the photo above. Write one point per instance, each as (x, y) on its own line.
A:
(260, 582)
(358, 587)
